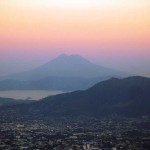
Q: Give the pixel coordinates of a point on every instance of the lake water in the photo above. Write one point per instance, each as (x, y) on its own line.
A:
(28, 94)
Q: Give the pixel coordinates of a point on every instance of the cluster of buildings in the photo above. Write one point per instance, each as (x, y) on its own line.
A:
(90, 134)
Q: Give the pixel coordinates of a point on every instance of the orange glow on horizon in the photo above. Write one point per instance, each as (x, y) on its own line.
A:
(100, 23)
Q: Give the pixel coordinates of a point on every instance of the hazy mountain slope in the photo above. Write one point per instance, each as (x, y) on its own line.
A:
(67, 66)
(126, 97)
(51, 83)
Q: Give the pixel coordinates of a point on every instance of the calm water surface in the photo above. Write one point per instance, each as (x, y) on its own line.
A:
(28, 94)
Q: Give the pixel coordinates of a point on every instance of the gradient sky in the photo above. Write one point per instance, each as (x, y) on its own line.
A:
(112, 33)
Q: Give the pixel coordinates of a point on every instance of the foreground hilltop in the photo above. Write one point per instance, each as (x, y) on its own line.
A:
(129, 97)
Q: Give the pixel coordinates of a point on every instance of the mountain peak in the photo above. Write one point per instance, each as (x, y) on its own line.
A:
(62, 55)
(70, 59)
(68, 66)
(72, 56)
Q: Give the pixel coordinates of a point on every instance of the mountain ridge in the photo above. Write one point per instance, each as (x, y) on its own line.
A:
(128, 97)
(51, 83)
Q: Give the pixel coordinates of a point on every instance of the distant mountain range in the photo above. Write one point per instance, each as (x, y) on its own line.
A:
(129, 97)
(51, 83)
(66, 73)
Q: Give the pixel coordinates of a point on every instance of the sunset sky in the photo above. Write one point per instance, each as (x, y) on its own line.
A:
(112, 33)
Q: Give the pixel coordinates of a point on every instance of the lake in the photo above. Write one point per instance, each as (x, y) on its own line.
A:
(28, 94)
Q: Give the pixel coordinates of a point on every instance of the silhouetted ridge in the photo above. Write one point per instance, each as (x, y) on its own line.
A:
(128, 97)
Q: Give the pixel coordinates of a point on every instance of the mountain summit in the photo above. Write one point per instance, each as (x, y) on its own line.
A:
(67, 62)
(67, 66)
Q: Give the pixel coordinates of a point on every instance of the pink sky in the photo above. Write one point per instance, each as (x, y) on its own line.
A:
(109, 32)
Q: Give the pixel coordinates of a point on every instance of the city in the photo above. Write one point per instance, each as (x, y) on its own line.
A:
(111, 133)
